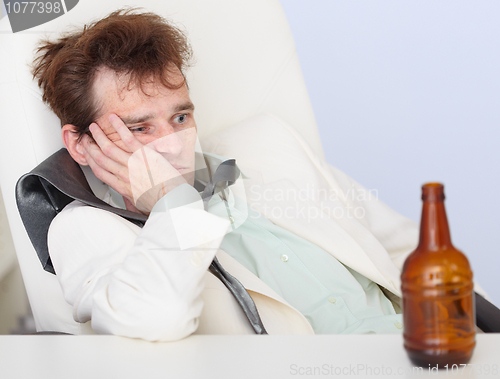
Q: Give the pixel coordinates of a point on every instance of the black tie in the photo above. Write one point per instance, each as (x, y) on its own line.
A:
(227, 173)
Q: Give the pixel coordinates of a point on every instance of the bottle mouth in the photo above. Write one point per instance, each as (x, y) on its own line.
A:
(433, 192)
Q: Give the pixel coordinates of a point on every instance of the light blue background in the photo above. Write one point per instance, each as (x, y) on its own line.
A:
(406, 92)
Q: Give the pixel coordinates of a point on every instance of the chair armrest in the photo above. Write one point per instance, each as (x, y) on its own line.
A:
(487, 315)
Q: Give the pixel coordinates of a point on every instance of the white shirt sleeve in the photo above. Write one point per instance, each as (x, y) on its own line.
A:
(131, 282)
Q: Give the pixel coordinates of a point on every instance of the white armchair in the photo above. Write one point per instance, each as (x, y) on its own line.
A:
(245, 64)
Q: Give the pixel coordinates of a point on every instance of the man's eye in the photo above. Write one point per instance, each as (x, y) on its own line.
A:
(181, 119)
(138, 129)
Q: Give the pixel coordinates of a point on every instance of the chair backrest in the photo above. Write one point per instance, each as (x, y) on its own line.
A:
(245, 64)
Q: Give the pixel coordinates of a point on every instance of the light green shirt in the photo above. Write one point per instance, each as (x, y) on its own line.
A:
(333, 297)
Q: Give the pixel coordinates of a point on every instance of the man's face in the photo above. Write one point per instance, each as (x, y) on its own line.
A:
(159, 117)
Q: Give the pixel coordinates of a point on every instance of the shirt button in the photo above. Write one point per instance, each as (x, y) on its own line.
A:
(332, 299)
(284, 258)
(398, 325)
(231, 218)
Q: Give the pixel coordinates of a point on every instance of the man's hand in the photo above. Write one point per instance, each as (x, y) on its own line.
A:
(139, 173)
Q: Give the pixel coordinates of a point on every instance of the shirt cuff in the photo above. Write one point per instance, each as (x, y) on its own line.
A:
(181, 196)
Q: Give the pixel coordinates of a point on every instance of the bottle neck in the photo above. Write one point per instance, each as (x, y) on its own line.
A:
(434, 229)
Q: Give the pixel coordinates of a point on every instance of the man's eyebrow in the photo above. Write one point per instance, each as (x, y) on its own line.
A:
(187, 106)
(131, 120)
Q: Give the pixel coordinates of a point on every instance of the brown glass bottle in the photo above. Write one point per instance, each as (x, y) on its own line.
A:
(436, 282)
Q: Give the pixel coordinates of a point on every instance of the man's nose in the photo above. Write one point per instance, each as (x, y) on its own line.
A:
(168, 142)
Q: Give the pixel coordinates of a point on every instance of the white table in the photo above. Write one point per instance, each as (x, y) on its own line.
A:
(326, 356)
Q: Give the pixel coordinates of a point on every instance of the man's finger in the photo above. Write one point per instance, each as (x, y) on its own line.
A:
(93, 153)
(122, 187)
(125, 134)
(108, 148)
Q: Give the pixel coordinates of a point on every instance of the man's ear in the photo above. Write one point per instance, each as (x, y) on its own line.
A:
(73, 144)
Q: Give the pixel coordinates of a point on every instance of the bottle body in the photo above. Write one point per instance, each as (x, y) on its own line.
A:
(437, 287)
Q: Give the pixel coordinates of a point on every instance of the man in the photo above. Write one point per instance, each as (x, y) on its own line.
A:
(118, 87)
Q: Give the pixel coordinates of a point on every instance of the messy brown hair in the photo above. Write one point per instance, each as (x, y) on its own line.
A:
(143, 46)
